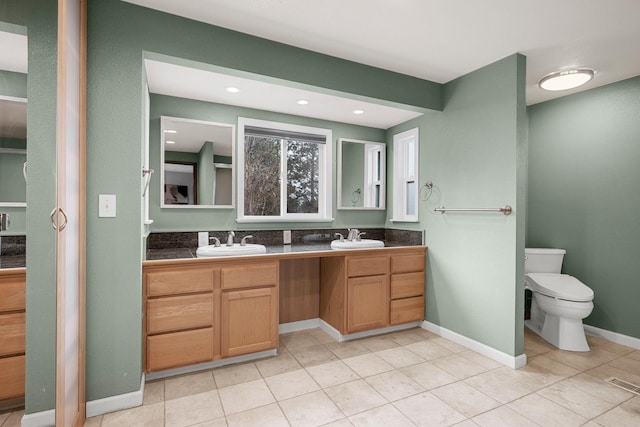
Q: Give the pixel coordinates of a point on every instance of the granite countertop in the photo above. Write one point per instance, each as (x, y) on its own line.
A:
(13, 261)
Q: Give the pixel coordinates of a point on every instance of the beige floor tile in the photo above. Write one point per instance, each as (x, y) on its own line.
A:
(311, 410)
(627, 364)
(500, 385)
(143, 416)
(466, 423)
(193, 409)
(574, 359)
(89, 422)
(625, 415)
(356, 396)
(154, 392)
(545, 412)
(458, 366)
(219, 422)
(635, 355)
(547, 371)
(313, 355)
(425, 409)
(599, 388)
(332, 373)
(607, 370)
(428, 350)
(428, 375)
(449, 345)
(245, 396)
(399, 357)
(235, 374)
(611, 347)
(503, 417)
(283, 362)
(291, 384)
(465, 399)
(297, 341)
(368, 364)
(4, 416)
(13, 419)
(347, 349)
(394, 385)
(321, 336)
(479, 359)
(576, 400)
(425, 334)
(387, 415)
(406, 337)
(264, 416)
(340, 423)
(378, 343)
(185, 385)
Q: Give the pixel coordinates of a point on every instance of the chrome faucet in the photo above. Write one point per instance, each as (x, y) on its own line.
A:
(230, 238)
(216, 241)
(340, 236)
(353, 234)
(243, 242)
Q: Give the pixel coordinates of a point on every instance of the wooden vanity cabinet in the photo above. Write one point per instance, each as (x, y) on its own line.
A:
(367, 293)
(12, 333)
(407, 287)
(200, 312)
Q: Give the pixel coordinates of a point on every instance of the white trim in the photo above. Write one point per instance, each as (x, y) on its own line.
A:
(274, 219)
(613, 336)
(400, 179)
(301, 325)
(336, 335)
(117, 402)
(514, 362)
(39, 419)
(210, 365)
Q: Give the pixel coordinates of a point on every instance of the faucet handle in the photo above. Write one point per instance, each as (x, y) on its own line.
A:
(216, 241)
(360, 234)
(340, 236)
(243, 242)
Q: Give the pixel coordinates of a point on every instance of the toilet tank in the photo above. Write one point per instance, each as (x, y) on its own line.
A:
(539, 260)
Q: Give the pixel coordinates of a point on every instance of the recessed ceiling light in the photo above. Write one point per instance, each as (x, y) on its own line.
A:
(170, 131)
(303, 101)
(232, 89)
(358, 111)
(566, 79)
(169, 142)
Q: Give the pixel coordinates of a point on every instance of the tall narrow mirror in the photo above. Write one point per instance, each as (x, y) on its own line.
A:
(197, 163)
(13, 151)
(361, 174)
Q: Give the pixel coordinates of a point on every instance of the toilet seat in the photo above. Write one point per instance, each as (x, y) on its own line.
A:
(560, 286)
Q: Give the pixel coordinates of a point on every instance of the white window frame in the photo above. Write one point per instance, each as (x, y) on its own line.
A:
(401, 177)
(325, 206)
(374, 175)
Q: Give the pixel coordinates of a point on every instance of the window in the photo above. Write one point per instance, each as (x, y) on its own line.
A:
(285, 172)
(405, 177)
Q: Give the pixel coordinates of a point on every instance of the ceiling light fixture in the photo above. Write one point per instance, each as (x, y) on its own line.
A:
(302, 102)
(232, 89)
(566, 79)
(170, 142)
(170, 131)
(358, 111)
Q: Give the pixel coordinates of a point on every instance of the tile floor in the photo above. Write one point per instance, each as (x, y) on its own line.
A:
(408, 378)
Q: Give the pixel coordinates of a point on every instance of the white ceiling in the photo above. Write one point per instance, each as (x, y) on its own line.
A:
(441, 40)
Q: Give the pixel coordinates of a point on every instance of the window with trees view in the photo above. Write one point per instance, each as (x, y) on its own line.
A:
(283, 171)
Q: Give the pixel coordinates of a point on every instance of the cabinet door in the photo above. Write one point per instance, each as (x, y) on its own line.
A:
(249, 321)
(367, 303)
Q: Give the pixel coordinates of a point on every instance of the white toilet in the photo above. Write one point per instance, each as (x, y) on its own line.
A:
(559, 302)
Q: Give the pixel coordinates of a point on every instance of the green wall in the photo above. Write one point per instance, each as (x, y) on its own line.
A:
(584, 194)
(120, 35)
(353, 161)
(197, 219)
(474, 152)
(39, 20)
(11, 83)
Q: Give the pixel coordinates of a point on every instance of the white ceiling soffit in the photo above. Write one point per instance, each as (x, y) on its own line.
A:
(13, 118)
(13, 52)
(441, 40)
(191, 83)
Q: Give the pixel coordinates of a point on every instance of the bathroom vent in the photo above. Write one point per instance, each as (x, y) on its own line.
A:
(624, 385)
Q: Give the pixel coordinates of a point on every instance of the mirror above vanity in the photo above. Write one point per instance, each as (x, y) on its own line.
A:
(197, 163)
(361, 174)
(13, 151)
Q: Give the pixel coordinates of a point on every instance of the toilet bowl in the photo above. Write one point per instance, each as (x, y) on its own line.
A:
(560, 301)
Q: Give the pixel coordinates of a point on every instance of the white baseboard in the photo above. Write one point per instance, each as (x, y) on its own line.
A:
(336, 335)
(39, 419)
(513, 362)
(613, 336)
(117, 402)
(300, 325)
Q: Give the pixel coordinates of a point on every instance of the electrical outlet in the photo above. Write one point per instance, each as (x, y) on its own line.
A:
(286, 237)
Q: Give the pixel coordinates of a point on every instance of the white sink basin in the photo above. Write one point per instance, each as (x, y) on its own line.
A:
(357, 244)
(236, 249)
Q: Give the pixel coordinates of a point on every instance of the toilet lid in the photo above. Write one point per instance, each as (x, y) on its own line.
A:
(560, 286)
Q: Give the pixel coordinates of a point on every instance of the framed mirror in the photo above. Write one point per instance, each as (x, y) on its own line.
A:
(361, 174)
(13, 151)
(197, 159)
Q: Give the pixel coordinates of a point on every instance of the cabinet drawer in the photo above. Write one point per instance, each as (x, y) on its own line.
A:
(407, 285)
(179, 281)
(367, 266)
(12, 293)
(12, 377)
(182, 312)
(408, 263)
(407, 310)
(179, 349)
(12, 333)
(250, 275)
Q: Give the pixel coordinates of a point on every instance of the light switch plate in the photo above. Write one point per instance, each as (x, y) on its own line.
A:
(286, 237)
(203, 238)
(107, 205)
